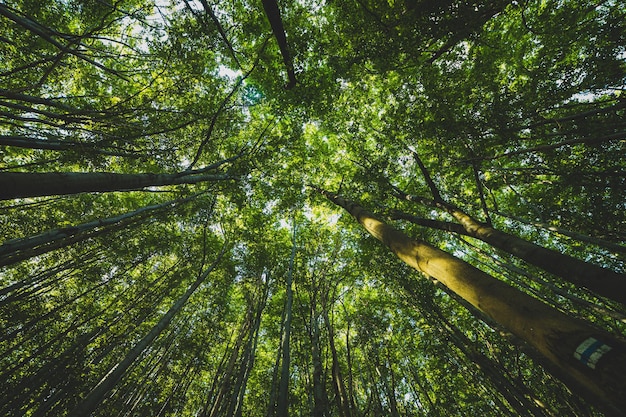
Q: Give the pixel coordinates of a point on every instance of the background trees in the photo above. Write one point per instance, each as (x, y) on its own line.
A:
(515, 109)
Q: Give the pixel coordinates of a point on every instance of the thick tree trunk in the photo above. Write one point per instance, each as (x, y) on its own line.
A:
(603, 281)
(37, 184)
(593, 357)
(273, 15)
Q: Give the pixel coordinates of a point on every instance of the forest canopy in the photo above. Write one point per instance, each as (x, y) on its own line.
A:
(315, 208)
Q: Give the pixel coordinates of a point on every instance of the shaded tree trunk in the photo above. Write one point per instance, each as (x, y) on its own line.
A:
(37, 184)
(16, 250)
(320, 397)
(338, 382)
(282, 407)
(88, 404)
(574, 235)
(273, 15)
(62, 145)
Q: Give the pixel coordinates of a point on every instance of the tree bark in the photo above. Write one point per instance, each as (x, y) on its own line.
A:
(602, 281)
(594, 358)
(273, 15)
(37, 184)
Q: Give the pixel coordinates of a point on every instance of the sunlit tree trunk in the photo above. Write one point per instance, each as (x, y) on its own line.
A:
(594, 358)
(603, 281)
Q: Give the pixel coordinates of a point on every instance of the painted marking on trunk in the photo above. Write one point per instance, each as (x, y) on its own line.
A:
(590, 351)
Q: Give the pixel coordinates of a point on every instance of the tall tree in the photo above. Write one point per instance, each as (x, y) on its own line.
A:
(516, 108)
(574, 346)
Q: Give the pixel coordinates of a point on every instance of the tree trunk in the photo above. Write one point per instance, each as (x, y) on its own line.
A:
(61, 145)
(340, 388)
(106, 384)
(603, 281)
(16, 250)
(615, 247)
(37, 184)
(513, 393)
(320, 397)
(282, 407)
(593, 357)
(273, 15)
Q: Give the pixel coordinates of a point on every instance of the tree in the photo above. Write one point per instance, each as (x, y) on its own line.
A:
(564, 341)
(137, 136)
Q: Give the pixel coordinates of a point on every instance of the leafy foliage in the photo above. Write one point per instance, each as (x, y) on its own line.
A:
(516, 108)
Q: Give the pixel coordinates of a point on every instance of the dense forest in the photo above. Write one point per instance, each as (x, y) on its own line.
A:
(313, 208)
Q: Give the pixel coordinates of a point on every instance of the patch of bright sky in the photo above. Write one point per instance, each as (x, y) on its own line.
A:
(314, 215)
(225, 72)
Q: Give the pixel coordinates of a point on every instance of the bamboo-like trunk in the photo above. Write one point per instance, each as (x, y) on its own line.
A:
(320, 397)
(16, 250)
(592, 357)
(343, 402)
(37, 184)
(106, 384)
(282, 406)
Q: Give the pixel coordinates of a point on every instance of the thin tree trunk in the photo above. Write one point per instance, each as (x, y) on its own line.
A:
(16, 250)
(106, 384)
(577, 236)
(271, 408)
(37, 184)
(282, 407)
(320, 397)
(220, 402)
(433, 224)
(593, 357)
(236, 408)
(338, 382)
(513, 393)
(351, 396)
(62, 145)
(550, 146)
